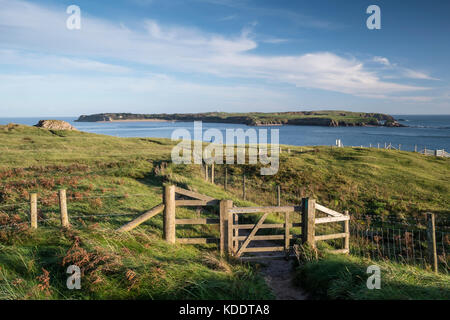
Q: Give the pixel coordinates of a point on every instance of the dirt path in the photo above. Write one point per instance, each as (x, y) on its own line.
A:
(279, 276)
(278, 273)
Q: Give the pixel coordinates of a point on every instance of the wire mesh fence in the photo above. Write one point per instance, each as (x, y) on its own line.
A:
(401, 242)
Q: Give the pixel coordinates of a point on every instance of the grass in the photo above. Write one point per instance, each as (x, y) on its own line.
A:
(120, 266)
(344, 277)
(110, 180)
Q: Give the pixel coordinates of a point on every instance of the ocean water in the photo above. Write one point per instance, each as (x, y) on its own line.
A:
(430, 131)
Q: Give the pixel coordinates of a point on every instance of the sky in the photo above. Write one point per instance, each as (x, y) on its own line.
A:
(161, 56)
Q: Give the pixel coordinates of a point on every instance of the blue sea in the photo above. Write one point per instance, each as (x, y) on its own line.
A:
(430, 131)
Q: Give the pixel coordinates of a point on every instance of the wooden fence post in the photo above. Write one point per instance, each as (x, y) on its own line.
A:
(206, 172)
(169, 213)
(212, 173)
(431, 236)
(223, 226)
(287, 239)
(235, 233)
(308, 220)
(63, 208)
(225, 186)
(415, 148)
(278, 196)
(243, 186)
(378, 145)
(228, 204)
(33, 210)
(347, 232)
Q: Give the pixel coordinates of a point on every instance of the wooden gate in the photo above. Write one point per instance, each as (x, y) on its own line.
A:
(238, 243)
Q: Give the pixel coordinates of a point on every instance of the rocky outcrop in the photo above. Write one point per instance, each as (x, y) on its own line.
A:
(393, 123)
(55, 125)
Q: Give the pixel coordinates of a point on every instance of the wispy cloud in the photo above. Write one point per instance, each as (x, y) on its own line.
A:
(295, 17)
(382, 60)
(228, 18)
(274, 40)
(413, 74)
(401, 72)
(51, 63)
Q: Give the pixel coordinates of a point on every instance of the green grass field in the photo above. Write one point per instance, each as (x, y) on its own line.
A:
(110, 180)
(344, 277)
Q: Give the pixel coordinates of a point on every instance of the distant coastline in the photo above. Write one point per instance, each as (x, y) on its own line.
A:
(131, 120)
(327, 118)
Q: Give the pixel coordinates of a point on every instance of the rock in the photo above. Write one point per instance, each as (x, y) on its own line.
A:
(55, 125)
(393, 124)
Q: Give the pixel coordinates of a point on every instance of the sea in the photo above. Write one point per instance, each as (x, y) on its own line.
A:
(424, 131)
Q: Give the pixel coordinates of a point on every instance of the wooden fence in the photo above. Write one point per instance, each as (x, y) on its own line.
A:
(230, 241)
(235, 244)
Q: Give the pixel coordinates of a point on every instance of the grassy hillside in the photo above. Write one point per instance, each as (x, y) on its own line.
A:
(344, 277)
(110, 180)
(361, 180)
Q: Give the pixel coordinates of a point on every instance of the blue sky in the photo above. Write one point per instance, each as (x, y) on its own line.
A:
(154, 56)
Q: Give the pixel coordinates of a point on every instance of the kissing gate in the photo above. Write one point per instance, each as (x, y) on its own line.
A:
(236, 237)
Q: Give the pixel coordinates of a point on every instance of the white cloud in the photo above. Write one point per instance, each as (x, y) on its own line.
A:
(228, 18)
(35, 61)
(401, 72)
(29, 27)
(412, 74)
(274, 40)
(382, 60)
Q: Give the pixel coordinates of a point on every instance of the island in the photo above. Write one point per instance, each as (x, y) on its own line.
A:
(329, 118)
